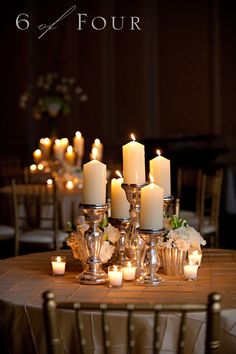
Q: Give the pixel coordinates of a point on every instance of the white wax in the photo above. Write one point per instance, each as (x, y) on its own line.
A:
(134, 163)
(94, 182)
(195, 257)
(119, 203)
(78, 142)
(115, 277)
(160, 170)
(190, 271)
(129, 272)
(151, 216)
(58, 267)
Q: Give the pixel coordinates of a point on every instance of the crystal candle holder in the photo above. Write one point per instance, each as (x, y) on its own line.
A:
(93, 273)
(150, 261)
(135, 243)
(122, 224)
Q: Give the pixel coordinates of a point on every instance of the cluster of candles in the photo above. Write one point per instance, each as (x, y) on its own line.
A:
(94, 189)
(191, 268)
(117, 273)
(62, 151)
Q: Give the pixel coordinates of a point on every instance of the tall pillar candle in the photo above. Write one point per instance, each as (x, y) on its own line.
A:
(119, 203)
(160, 170)
(94, 182)
(151, 215)
(134, 163)
(45, 146)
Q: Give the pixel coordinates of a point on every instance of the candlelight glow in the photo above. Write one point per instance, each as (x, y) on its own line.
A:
(78, 134)
(49, 182)
(132, 137)
(58, 142)
(58, 259)
(70, 149)
(97, 141)
(45, 141)
(158, 152)
(94, 153)
(33, 167)
(40, 167)
(37, 153)
(69, 185)
(119, 174)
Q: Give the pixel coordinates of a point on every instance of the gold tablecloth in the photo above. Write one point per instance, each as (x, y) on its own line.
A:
(24, 278)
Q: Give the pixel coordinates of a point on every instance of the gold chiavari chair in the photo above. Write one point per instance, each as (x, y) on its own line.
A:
(133, 314)
(36, 217)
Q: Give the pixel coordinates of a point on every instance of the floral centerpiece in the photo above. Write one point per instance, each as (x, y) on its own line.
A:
(76, 241)
(50, 96)
(173, 246)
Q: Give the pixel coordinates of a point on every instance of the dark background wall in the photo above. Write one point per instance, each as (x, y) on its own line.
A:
(176, 76)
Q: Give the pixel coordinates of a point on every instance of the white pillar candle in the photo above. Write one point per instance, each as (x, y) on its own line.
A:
(97, 144)
(134, 163)
(58, 265)
(70, 155)
(115, 275)
(94, 182)
(37, 155)
(190, 271)
(129, 271)
(78, 142)
(119, 203)
(58, 149)
(195, 257)
(45, 146)
(151, 215)
(160, 170)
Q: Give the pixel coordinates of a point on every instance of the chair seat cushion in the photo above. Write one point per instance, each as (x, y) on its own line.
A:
(41, 236)
(6, 232)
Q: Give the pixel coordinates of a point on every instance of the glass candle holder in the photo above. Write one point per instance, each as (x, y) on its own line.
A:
(190, 271)
(195, 256)
(129, 271)
(115, 276)
(58, 265)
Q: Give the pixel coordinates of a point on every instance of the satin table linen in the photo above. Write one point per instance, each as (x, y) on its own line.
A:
(23, 279)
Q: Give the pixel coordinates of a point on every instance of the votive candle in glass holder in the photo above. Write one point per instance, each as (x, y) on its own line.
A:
(190, 271)
(58, 265)
(195, 256)
(129, 271)
(115, 276)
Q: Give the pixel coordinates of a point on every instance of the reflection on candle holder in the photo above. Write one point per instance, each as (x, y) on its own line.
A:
(135, 243)
(168, 207)
(123, 226)
(150, 261)
(93, 273)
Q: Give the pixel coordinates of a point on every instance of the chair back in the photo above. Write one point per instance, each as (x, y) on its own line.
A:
(35, 207)
(189, 182)
(210, 202)
(134, 313)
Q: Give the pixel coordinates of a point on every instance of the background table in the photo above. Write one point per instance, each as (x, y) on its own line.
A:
(24, 278)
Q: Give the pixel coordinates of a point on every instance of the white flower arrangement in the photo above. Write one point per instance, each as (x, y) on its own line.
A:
(180, 235)
(76, 240)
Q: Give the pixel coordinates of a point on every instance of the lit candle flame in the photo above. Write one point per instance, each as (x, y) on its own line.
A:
(69, 185)
(132, 137)
(119, 174)
(70, 149)
(94, 153)
(49, 181)
(40, 167)
(78, 134)
(58, 259)
(37, 152)
(158, 152)
(33, 167)
(58, 142)
(115, 268)
(97, 141)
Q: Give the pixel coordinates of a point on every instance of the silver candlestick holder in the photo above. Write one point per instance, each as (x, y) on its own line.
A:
(93, 273)
(168, 206)
(135, 243)
(122, 224)
(150, 261)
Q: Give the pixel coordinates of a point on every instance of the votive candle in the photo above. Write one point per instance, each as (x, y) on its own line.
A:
(190, 271)
(115, 276)
(129, 271)
(58, 265)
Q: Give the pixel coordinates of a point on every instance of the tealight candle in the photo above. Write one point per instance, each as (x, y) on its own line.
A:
(129, 271)
(58, 265)
(190, 271)
(195, 257)
(115, 276)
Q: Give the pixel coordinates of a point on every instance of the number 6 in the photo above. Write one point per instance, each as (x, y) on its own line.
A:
(18, 20)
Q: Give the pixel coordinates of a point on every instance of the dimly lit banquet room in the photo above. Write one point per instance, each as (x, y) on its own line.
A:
(118, 177)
